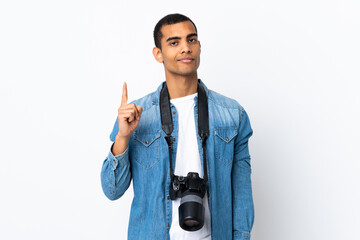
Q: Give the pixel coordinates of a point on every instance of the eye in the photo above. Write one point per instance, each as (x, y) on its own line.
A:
(173, 43)
(192, 40)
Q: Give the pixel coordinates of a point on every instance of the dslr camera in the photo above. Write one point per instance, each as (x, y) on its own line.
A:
(191, 189)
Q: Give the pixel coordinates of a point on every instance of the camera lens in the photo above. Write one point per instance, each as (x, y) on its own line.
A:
(191, 212)
(191, 223)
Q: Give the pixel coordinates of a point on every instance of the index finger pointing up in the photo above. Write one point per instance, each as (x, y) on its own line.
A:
(124, 95)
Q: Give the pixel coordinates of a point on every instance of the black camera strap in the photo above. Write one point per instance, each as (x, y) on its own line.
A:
(168, 126)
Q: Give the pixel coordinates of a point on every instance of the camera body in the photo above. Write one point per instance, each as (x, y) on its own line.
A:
(191, 189)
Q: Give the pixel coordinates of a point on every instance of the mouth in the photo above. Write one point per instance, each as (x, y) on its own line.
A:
(186, 60)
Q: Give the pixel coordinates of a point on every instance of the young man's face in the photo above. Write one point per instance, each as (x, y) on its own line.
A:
(180, 49)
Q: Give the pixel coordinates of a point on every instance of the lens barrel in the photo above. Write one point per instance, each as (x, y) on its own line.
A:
(191, 212)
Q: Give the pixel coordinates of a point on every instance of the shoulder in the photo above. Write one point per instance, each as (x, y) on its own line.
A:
(223, 102)
(227, 113)
(145, 102)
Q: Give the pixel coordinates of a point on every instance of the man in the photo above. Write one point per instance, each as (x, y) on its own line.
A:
(143, 147)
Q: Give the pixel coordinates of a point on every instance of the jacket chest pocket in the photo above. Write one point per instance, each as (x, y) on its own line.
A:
(224, 144)
(146, 148)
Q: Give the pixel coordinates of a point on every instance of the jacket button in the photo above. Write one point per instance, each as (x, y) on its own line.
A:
(146, 142)
(196, 111)
(227, 138)
(174, 112)
(168, 225)
(114, 161)
(174, 139)
(168, 197)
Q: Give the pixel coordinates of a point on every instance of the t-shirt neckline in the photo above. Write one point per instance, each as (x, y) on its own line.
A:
(185, 98)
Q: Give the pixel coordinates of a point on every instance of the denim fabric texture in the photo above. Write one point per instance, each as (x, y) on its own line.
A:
(146, 163)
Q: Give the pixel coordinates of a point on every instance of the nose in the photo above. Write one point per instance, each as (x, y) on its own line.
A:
(186, 48)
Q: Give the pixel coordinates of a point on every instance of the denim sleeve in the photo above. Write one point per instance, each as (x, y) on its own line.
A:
(243, 206)
(115, 172)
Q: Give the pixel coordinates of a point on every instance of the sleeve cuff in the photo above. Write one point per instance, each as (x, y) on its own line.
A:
(241, 235)
(118, 160)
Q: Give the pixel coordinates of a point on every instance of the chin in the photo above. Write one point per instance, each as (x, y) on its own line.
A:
(183, 72)
(187, 73)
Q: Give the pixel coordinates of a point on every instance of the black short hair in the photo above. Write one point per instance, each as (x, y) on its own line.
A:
(168, 20)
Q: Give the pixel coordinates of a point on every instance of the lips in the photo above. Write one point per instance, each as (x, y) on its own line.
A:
(186, 60)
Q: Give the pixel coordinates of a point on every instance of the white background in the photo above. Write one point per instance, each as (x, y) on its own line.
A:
(293, 65)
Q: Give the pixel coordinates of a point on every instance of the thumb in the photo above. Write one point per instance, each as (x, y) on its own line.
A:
(139, 110)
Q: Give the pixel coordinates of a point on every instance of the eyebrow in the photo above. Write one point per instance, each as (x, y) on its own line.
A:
(188, 36)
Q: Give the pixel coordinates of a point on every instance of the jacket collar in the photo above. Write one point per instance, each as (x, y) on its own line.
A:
(156, 95)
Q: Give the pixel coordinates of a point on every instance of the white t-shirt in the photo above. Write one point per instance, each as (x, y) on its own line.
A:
(187, 160)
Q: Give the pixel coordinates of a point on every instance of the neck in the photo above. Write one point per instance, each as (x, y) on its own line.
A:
(181, 86)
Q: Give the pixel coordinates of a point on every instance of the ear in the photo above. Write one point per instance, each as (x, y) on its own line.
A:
(157, 54)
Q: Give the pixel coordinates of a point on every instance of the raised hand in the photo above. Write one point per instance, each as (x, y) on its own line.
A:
(128, 116)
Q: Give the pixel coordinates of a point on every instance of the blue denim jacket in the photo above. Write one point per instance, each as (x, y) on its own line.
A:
(146, 162)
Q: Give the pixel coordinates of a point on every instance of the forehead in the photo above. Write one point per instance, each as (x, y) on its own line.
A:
(181, 29)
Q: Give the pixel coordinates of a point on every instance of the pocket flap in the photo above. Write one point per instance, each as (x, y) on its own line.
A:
(226, 134)
(146, 138)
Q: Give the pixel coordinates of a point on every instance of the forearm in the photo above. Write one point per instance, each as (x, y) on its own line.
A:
(119, 146)
(115, 174)
(243, 206)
